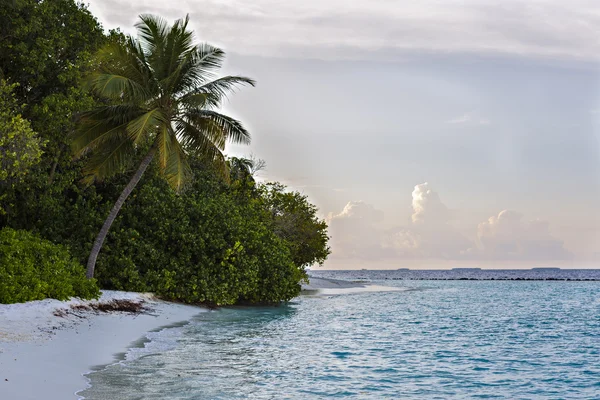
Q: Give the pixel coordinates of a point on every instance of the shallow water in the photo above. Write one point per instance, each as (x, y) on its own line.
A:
(444, 339)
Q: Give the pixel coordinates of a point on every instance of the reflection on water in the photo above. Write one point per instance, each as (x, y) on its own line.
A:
(454, 340)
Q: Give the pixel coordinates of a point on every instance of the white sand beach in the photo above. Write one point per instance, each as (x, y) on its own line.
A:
(327, 286)
(45, 356)
(45, 352)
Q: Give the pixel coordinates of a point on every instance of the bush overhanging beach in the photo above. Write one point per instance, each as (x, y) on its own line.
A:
(208, 233)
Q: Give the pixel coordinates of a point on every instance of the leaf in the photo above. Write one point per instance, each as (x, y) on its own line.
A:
(141, 127)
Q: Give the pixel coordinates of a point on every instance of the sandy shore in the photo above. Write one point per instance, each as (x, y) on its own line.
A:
(45, 356)
(46, 347)
(325, 286)
(324, 283)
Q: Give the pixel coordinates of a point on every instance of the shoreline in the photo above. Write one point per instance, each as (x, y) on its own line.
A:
(329, 286)
(47, 347)
(47, 356)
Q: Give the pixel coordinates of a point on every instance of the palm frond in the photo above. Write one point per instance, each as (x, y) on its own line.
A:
(122, 72)
(194, 100)
(203, 61)
(163, 143)
(146, 124)
(104, 124)
(114, 86)
(172, 159)
(178, 47)
(152, 31)
(218, 127)
(192, 138)
(164, 89)
(173, 82)
(177, 170)
(208, 58)
(197, 143)
(222, 87)
(108, 160)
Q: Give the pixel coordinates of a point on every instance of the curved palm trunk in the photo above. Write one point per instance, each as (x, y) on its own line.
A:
(91, 264)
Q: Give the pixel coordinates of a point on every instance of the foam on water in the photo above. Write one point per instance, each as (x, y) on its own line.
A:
(440, 339)
(155, 342)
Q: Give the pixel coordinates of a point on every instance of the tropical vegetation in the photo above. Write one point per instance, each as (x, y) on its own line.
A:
(102, 132)
(161, 101)
(34, 269)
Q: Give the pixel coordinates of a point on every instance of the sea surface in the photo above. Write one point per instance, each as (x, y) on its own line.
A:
(449, 337)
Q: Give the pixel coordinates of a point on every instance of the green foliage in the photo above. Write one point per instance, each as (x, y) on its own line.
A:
(203, 246)
(44, 45)
(20, 148)
(45, 48)
(34, 269)
(213, 243)
(295, 221)
(160, 94)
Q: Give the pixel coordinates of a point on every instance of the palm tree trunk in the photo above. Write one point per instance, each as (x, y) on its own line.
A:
(54, 165)
(52, 172)
(91, 264)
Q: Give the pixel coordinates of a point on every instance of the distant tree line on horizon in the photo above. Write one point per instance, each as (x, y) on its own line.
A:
(111, 155)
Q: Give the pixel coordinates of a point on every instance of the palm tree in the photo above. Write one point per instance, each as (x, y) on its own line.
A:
(162, 97)
(240, 168)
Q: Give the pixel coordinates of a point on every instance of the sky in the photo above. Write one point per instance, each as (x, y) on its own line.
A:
(430, 134)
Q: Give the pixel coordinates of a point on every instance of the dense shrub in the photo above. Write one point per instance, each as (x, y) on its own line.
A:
(294, 219)
(34, 269)
(204, 246)
(215, 243)
(20, 148)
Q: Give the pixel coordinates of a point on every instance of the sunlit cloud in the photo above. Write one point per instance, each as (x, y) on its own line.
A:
(509, 236)
(357, 233)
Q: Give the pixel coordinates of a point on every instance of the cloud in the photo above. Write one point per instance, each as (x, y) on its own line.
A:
(381, 28)
(469, 119)
(431, 234)
(359, 210)
(427, 207)
(357, 232)
(508, 236)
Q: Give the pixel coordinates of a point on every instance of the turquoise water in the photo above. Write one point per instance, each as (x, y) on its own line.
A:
(438, 340)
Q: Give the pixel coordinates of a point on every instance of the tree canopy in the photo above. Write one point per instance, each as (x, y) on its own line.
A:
(161, 99)
(208, 233)
(20, 147)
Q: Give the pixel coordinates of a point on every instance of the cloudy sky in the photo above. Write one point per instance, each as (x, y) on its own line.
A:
(431, 134)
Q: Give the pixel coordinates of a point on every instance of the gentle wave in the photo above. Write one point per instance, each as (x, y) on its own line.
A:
(455, 339)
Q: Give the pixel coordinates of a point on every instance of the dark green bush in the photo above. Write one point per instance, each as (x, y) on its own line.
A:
(34, 269)
(215, 243)
(204, 246)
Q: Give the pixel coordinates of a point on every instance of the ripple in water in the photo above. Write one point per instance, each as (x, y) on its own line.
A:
(457, 339)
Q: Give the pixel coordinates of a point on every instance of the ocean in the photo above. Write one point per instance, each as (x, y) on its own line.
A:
(446, 335)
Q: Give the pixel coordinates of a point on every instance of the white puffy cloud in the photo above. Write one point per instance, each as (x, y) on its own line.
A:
(357, 232)
(431, 233)
(508, 236)
(428, 209)
(359, 210)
